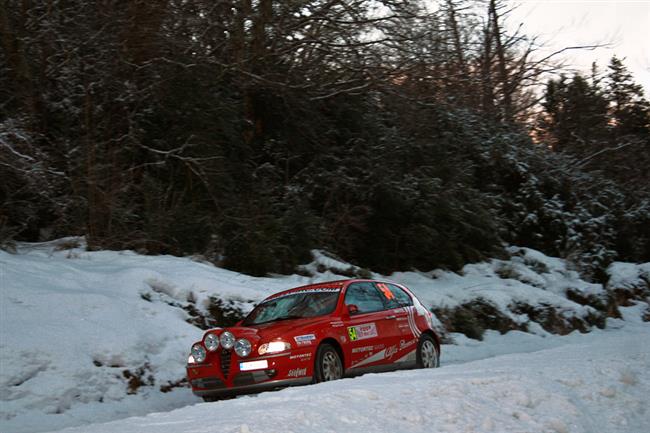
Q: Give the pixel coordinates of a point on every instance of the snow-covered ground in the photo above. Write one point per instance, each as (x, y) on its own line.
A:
(90, 337)
(599, 382)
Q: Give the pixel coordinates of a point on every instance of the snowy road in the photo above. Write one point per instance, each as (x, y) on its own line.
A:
(599, 383)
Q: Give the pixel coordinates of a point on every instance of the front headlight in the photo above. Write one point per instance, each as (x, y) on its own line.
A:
(243, 347)
(273, 347)
(198, 353)
(211, 342)
(227, 340)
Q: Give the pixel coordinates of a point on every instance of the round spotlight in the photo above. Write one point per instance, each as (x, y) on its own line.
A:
(199, 353)
(227, 340)
(211, 342)
(243, 347)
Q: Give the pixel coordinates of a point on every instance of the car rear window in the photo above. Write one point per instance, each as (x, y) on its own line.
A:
(365, 296)
(395, 296)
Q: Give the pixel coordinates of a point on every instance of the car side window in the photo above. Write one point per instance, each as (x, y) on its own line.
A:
(365, 296)
(394, 296)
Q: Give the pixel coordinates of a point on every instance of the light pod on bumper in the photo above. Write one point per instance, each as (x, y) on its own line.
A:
(211, 342)
(227, 340)
(198, 353)
(243, 347)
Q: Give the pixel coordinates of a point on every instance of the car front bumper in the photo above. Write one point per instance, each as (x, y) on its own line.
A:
(214, 387)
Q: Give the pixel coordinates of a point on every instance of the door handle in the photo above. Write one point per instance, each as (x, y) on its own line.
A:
(390, 317)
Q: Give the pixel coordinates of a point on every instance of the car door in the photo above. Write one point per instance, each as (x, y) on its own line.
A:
(401, 305)
(396, 304)
(372, 331)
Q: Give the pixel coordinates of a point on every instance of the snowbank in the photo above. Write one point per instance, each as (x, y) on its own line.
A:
(87, 337)
(80, 341)
(628, 275)
(528, 291)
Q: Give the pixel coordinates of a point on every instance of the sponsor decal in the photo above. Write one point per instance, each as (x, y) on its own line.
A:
(336, 324)
(368, 357)
(297, 372)
(312, 290)
(361, 332)
(390, 351)
(362, 349)
(404, 344)
(301, 357)
(304, 339)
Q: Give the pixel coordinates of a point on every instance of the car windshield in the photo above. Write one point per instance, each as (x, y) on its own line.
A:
(294, 306)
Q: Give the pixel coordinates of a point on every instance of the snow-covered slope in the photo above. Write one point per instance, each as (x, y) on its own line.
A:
(81, 343)
(598, 382)
(87, 337)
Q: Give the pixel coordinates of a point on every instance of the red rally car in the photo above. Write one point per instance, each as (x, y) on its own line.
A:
(315, 333)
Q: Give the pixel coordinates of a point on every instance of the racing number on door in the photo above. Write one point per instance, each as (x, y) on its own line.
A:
(362, 332)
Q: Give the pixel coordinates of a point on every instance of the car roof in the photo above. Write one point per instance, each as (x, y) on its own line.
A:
(336, 284)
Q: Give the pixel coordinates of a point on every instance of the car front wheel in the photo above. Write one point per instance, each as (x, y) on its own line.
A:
(427, 353)
(328, 364)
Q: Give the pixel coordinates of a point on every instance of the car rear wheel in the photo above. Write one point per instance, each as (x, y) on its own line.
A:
(427, 355)
(328, 364)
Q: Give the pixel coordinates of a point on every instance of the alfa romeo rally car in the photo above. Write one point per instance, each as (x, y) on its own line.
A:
(315, 333)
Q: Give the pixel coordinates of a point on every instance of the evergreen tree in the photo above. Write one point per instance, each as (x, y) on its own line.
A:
(252, 132)
(627, 158)
(630, 111)
(576, 118)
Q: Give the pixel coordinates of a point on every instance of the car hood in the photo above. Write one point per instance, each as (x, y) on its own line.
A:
(284, 329)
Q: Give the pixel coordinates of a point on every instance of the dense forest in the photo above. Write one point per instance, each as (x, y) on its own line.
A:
(395, 134)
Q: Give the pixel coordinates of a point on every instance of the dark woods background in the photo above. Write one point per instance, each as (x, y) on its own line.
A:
(251, 131)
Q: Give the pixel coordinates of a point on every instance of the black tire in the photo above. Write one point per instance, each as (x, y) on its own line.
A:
(328, 364)
(427, 354)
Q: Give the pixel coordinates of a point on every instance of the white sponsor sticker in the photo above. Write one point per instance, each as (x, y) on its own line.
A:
(361, 332)
(304, 339)
(253, 365)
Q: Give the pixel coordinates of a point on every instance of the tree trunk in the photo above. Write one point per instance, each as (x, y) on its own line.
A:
(13, 36)
(502, 65)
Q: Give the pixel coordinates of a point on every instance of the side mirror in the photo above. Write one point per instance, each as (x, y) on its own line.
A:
(353, 309)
